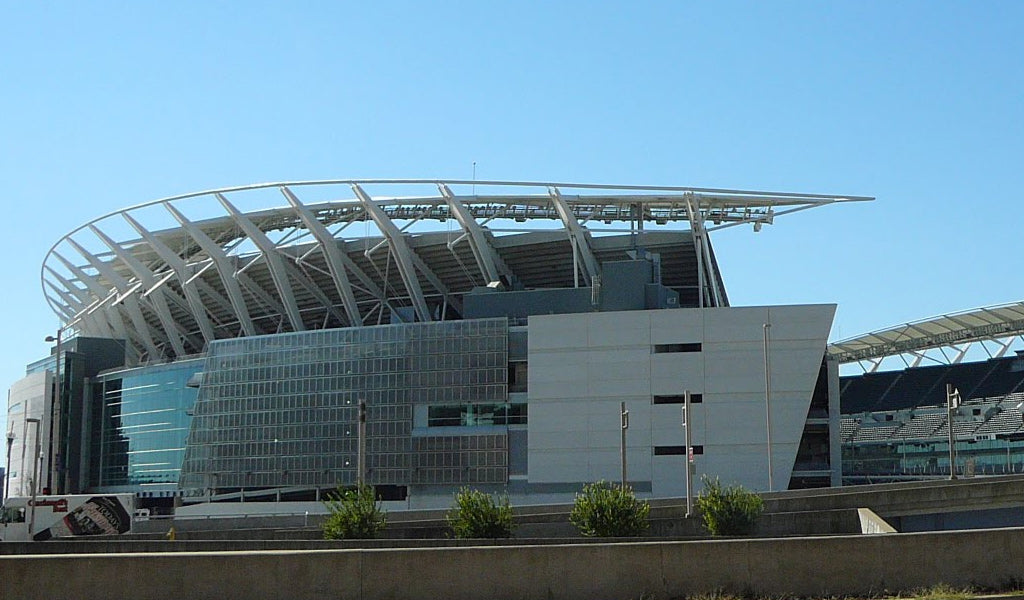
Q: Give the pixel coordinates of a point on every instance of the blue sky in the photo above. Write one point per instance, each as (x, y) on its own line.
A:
(106, 105)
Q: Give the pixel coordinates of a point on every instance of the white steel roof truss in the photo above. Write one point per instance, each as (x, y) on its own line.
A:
(399, 247)
(177, 264)
(224, 269)
(124, 297)
(337, 260)
(159, 300)
(278, 271)
(482, 249)
(96, 291)
(577, 236)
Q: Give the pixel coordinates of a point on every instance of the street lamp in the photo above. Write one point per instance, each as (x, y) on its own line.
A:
(56, 402)
(35, 461)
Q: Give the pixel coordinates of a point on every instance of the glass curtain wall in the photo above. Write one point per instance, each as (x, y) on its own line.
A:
(139, 422)
(282, 410)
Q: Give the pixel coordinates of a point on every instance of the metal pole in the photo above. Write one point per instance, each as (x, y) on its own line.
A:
(689, 476)
(950, 401)
(32, 515)
(361, 460)
(54, 409)
(10, 442)
(624, 416)
(768, 402)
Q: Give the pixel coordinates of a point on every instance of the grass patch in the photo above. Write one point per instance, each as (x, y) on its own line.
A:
(943, 591)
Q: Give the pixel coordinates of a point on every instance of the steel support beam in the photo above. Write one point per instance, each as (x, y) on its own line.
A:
(159, 294)
(224, 268)
(276, 266)
(130, 300)
(577, 236)
(337, 260)
(482, 250)
(177, 264)
(399, 247)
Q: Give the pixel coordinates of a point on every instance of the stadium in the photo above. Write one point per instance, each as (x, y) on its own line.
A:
(511, 336)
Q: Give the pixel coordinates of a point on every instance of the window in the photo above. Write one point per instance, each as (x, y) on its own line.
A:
(677, 399)
(665, 348)
(676, 450)
(470, 415)
(517, 376)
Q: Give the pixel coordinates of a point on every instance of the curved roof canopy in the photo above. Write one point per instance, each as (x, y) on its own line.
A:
(956, 330)
(171, 275)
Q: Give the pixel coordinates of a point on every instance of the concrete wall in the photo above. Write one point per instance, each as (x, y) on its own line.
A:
(834, 566)
(583, 366)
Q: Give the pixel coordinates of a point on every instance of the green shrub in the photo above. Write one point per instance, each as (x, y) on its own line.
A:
(728, 510)
(477, 515)
(607, 510)
(354, 514)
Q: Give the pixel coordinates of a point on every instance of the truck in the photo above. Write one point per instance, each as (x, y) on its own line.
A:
(24, 518)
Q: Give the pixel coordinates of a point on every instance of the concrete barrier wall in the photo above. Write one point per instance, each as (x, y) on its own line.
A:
(833, 566)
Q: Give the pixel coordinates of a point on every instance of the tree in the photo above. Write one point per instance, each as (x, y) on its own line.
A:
(354, 514)
(607, 510)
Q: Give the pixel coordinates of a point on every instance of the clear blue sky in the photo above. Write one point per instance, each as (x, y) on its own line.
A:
(919, 104)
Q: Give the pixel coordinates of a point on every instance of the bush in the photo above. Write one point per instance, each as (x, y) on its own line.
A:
(354, 514)
(477, 515)
(607, 510)
(728, 510)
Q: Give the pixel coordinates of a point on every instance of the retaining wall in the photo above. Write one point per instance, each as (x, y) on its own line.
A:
(819, 566)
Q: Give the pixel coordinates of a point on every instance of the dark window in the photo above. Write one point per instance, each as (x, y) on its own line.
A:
(676, 450)
(663, 348)
(678, 399)
(517, 376)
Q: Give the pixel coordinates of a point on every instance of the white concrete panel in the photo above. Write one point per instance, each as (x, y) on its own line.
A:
(741, 420)
(565, 415)
(553, 466)
(674, 373)
(557, 331)
(676, 326)
(624, 328)
(734, 324)
(563, 440)
(738, 372)
(804, 322)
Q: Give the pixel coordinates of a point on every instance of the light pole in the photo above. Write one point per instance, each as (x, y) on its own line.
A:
(952, 403)
(624, 422)
(10, 442)
(686, 461)
(35, 461)
(56, 405)
(768, 400)
(361, 449)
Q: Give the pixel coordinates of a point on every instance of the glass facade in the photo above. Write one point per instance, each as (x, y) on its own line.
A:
(282, 410)
(140, 419)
